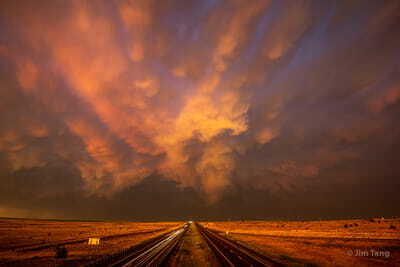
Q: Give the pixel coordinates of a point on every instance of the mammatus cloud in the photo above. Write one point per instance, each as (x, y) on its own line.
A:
(272, 95)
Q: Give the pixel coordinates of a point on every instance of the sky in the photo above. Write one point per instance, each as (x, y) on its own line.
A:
(181, 109)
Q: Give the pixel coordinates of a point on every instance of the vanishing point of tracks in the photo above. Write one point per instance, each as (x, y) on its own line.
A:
(156, 251)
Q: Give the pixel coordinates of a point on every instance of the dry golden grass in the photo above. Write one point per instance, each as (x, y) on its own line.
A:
(31, 242)
(325, 243)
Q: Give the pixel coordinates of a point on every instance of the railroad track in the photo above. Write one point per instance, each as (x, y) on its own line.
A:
(231, 253)
(154, 252)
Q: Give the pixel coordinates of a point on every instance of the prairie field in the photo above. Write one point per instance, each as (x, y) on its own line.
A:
(372, 242)
(26, 242)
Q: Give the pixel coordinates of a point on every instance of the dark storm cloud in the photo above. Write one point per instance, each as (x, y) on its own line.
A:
(276, 105)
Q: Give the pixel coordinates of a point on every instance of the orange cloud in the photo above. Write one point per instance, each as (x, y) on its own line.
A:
(27, 73)
(214, 167)
(295, 20)
(385, 98)
(265, 135)
(137, 18)
(236, 32)
(141, 98)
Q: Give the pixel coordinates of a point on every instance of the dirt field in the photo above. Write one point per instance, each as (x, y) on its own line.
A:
(374, 242)
(32, 242)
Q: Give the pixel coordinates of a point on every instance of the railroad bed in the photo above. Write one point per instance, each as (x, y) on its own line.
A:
(156, 251)
(153, 252)
(231, 253)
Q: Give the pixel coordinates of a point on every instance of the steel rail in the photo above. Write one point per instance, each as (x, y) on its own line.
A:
(231, 253)
(154, 252)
